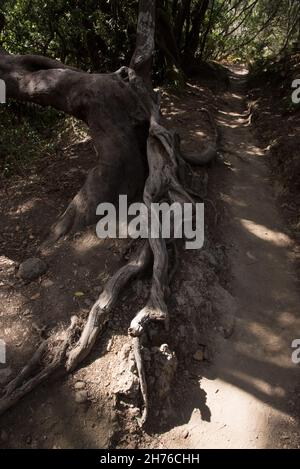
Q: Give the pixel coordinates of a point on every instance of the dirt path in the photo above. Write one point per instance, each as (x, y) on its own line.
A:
(243, 392)
(252, 386)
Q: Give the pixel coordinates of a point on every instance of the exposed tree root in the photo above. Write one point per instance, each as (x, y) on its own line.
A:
(28, 369)
(123, 114)
(211, 151)
(100, 311)
(142, 378)
(17, 389)
(164, 160)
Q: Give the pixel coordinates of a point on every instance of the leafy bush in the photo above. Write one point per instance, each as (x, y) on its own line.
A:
(26, 133)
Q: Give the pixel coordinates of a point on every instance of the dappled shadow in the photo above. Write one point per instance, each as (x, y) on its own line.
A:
(252, 386)
(186, 398)
(254, 360)
(257, 359)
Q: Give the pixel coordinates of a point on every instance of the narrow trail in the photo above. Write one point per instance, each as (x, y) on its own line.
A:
(252, 387)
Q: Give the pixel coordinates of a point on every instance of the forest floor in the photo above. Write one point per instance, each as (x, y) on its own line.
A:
(226, 378)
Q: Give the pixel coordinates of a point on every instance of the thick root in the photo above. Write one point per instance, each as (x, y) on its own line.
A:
(165, 164)
(99, 314)
(18, 388)
(122, 112)
(209, 153)
(142, 378)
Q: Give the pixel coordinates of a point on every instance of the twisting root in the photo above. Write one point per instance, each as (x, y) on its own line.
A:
(163, 166)
(211, 151)
(28, 368)
(166, 166)
(99, 314)
(162, 182)
(165, 162)
(16, 389)
(142, 378)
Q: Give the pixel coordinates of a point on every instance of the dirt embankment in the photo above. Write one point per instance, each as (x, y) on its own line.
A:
(276, 122)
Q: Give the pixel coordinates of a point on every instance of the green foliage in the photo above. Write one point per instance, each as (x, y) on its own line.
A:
(100, 34)
(26, 133)
(276, 76)
(247, 30)
(93, 34)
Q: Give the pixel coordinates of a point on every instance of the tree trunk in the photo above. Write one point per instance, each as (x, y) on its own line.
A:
(141, 60)
(180, 20)
(135, 153)
(193, 38)
(115, 112)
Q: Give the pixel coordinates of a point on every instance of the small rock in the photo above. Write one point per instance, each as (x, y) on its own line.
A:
(81, 396)
(134, 411)
(185, 434)
(47, 283)
(32, 268)
(79, 385)
(124, 352)
(165, 349)
(199, 355)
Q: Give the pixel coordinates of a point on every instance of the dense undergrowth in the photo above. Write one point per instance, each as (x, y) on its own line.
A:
(27, 131)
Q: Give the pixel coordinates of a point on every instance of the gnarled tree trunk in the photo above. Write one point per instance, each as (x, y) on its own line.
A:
(136, 155)
(113, 108)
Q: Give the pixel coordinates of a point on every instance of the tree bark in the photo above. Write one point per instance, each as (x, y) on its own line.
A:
(141, 60)
(198, 16)
(135, 153)
(116, 113)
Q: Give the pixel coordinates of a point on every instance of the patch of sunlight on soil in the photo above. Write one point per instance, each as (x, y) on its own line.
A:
(266, 234)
